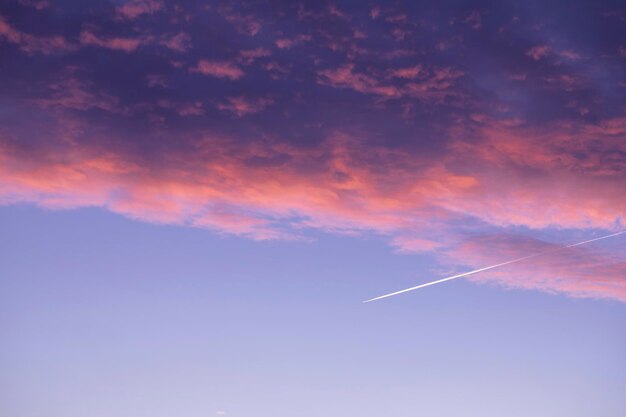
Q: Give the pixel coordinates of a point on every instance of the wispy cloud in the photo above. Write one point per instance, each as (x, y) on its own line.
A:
(135, 8)
(31, 44)
(428, 130)
(125, 44)
(219, 69)
(606, 287)
(242, 106)
(538, 52)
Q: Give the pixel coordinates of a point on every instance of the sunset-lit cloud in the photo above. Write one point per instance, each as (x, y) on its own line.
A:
(243, 23)
(578, 272)
(179, 42)
(219, 69)
(242, 106)
(267, 130)
(126, 44)
(538, 52)
(30, 43)
(287, 43)
(135, 8)
(37, 4)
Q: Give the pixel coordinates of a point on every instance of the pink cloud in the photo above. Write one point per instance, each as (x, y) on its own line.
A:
(428, 84)
(414, 244)
(135, 8)
(34, 44)
(242, 106)
(192, 109)
(154, 80)
(518, 77)
(245, 24)
(334, 11)
(346, 77)
(71, 93)
(219, 69)
(400, 34)
(248, 56)
(125, 44)
(240, 224)
(287, 43)
(538, 52)
(408, 72)
(477, 164)
(195, 108)
(557, 176)
(474, 19)
(180, 42)
(359, 34)
(330, 12)
(37, 4)
(577, 272)
(445, 44)
(397, 18)
(565, 82)
(565, 190)
(571, 55)
(275, 69)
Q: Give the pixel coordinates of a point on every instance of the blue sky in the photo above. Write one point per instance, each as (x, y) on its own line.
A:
(104, 316)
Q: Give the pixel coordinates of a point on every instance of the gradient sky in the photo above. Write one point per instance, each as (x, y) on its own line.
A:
(195, 197)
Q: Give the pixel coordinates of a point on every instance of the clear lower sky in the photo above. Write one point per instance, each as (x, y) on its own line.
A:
(103, 316)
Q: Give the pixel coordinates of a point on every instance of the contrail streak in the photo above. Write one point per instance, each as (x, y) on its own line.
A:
(464, 274)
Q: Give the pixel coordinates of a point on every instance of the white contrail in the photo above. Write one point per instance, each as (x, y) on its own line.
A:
(464, 274)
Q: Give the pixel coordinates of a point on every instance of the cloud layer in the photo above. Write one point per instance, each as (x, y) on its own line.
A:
(329, 117)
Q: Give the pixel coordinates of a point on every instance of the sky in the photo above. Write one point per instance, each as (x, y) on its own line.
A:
(196, 197)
